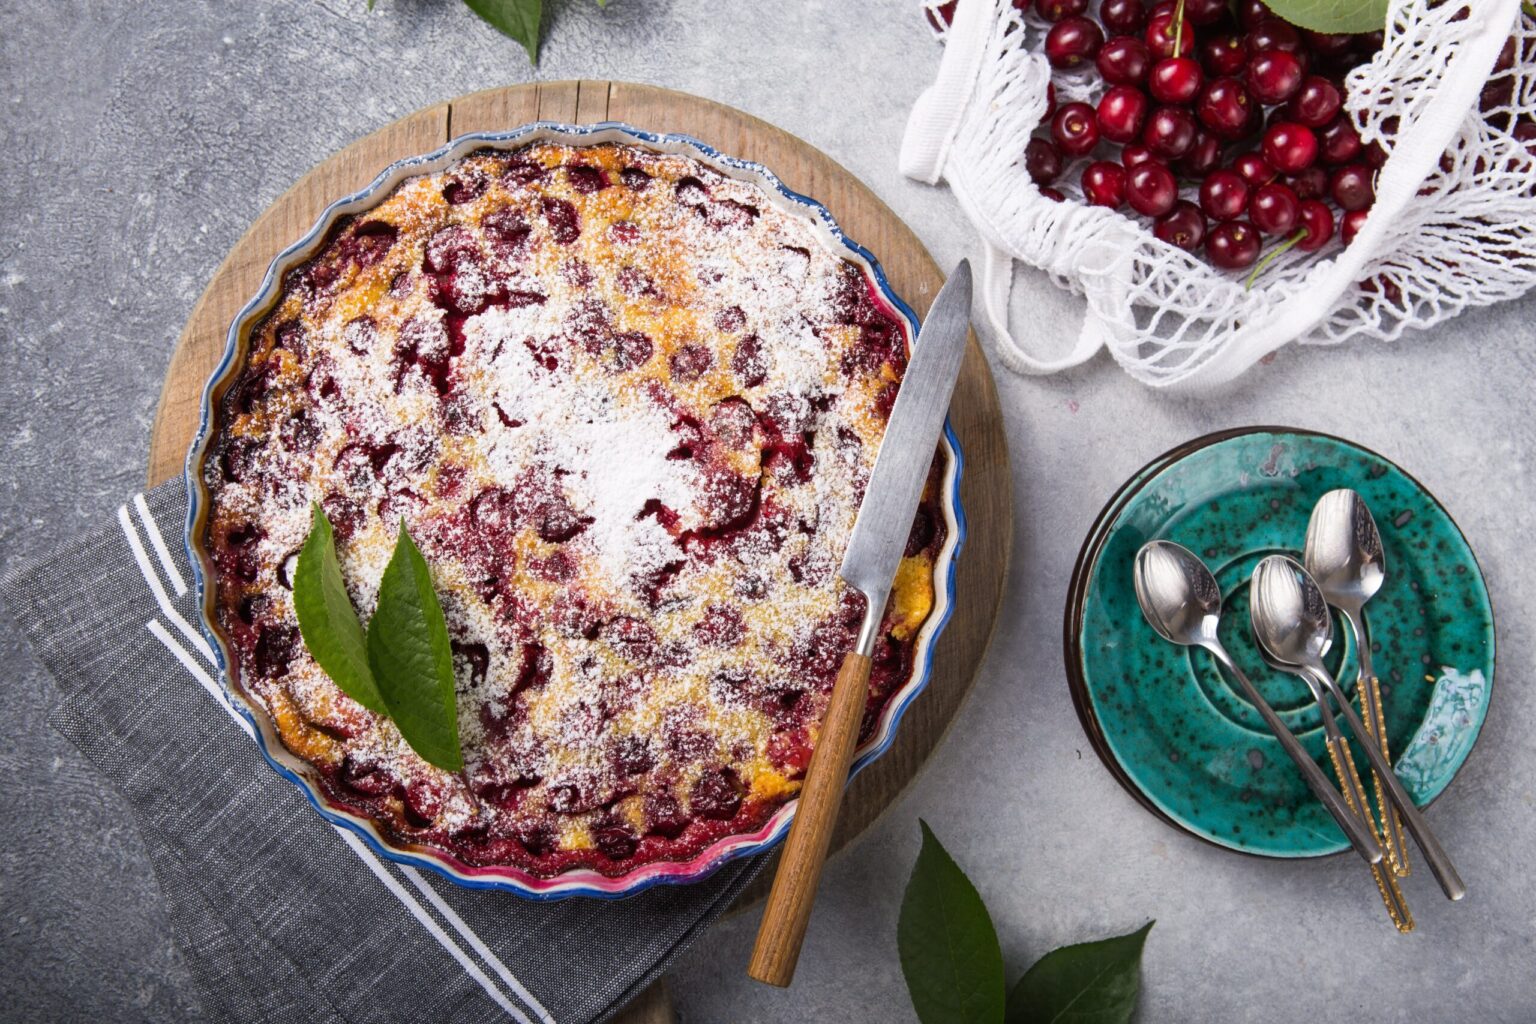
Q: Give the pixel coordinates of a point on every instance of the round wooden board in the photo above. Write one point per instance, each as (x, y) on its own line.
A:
(985, 488)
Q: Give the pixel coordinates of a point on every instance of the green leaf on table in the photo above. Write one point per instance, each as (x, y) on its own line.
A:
(1089, 983)
(412, 658)
(327, 621)
(1333, 15)
(516, 18)
(949, 949)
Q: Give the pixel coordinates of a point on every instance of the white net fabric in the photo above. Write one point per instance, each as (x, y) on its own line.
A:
(1453, 225)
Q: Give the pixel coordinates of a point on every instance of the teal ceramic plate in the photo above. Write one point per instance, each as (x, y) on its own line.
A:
(1176, 733)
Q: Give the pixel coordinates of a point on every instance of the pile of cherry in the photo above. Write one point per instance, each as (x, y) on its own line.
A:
(1245, 105)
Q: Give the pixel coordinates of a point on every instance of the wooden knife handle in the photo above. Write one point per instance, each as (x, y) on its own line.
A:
(794, 886)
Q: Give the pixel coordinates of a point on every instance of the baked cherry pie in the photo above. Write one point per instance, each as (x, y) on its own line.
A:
(627, 407)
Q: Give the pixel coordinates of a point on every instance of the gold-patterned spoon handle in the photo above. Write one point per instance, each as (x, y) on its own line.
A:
(1354, 795)
(1391, 823)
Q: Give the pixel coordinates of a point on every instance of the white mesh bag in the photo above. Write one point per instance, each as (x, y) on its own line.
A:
(1453, 225)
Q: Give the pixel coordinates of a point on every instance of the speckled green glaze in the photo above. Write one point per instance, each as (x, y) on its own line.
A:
(1183, 736)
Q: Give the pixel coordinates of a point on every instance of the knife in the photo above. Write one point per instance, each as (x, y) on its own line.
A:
(874, 551)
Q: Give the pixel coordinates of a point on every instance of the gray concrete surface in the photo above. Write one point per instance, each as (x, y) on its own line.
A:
(141, 139)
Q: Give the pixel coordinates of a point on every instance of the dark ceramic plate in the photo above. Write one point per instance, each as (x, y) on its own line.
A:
(1172, 729)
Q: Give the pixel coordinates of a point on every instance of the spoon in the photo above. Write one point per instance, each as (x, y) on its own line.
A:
(1182, 601)
(1343, 554)
(1292, 622)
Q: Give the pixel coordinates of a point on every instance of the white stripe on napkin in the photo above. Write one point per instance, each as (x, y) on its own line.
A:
(157, 590)
(476, 942)
(158, 543)
(393, 885)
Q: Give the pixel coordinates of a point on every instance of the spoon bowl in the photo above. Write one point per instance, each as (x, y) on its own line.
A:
(1343, 549)
(1291, 620)
(1178, 593)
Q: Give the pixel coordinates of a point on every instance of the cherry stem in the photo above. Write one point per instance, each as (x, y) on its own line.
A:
(1299, 236)
(1529, 8)
(1178, 27)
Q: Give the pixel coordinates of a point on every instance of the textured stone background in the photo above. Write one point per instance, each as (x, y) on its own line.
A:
(141, 139)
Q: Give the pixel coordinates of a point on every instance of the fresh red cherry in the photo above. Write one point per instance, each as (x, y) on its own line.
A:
(1104, 184)
(1122, 112)
(1073, 42)
(1203, 157)
(1060, 10)
(1329, 46)
(1350, 226)
(1525, 134)
(1224, 195)
(1376, 155)
(1232, 245)
(1317, 224)
(1135, 153)
(1224, 55)
(1050, 101)
(1225, 107)
(1353, 187)
(1150, 189)
(1252, 12)
(1339, 143)
(1124, 17)
(1124, 60)
(1176, 80)
(1369, 42)
(1183, 226)
(1274, 76)
(1043, 161)
(1274, 209)
(1311, 183)
(1160, 37)
(1316, 102)
(1053, 194)
(1255, 169)
(1274, 34)
(1290, 147)
(1205, 12)
(1506, 58)
(1075, 129)
(1496, 95)
(1170, 132)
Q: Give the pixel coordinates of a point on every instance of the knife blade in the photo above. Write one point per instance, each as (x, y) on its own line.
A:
(911, 434)
(874, 551)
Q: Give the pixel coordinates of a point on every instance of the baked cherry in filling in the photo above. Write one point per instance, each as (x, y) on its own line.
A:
(627, 407)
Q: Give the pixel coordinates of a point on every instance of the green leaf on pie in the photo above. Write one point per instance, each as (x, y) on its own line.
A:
(516, 18)
(1089, 983)
(1333, 15)
(949, 949)
(327, 621)
(412, 658)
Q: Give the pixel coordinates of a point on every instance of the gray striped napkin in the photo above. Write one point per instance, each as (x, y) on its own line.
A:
(280, 915)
